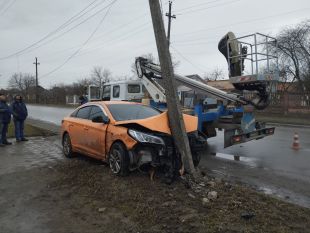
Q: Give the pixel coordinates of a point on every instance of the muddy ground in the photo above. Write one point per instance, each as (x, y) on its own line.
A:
(81, 195)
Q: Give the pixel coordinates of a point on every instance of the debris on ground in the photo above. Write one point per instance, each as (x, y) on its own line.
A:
(205, 201)
(80, 188)
(212, 195)
(247, 215)
(101, 210)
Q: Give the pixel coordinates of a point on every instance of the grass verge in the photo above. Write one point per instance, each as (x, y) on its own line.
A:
(30, 131)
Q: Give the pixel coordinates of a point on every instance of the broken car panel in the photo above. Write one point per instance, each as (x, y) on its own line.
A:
(127, 135)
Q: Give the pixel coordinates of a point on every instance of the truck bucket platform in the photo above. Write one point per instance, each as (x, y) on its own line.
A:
(255, 71)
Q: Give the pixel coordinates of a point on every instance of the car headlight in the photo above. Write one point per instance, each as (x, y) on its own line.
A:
(146, 138)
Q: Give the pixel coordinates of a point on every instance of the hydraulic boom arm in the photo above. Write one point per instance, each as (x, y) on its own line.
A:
(150, 73)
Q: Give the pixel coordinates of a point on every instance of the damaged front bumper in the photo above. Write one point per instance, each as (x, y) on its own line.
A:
(165, 155)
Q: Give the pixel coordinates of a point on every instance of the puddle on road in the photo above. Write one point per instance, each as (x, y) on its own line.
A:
(245, 160)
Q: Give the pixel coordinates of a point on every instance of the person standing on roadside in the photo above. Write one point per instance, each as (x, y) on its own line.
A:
(20, 114)
(5, 118)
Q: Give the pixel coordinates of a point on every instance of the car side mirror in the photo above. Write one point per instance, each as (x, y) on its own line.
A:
(106, 120)
(101, 119)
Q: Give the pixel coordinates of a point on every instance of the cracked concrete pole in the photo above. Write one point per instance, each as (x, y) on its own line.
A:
(174, 109)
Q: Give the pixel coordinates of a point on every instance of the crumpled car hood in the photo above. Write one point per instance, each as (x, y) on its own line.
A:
(160, 123)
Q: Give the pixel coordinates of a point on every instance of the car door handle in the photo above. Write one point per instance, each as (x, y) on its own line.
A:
(71, 125)
(85, 128)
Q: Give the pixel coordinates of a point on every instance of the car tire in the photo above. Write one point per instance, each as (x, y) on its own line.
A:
(67, 146)
(119, 159)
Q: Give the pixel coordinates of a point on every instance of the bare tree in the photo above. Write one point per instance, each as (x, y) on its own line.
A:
(99, 76)
(151, 58)
(214, 75)
(294, 54)
(22, 82)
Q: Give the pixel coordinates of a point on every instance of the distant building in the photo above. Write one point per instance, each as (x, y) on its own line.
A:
(72, 99)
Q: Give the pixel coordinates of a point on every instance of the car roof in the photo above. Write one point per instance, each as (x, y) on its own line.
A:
(112, 102)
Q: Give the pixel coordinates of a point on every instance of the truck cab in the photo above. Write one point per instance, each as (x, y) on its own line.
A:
(132, 90)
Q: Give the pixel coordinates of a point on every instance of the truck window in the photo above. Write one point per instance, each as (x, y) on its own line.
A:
(106, 94)
(134, 88)
(116, 91)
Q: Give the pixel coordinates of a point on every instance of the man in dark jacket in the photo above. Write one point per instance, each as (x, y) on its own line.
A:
(5, 118)
(83, 99)
(20, 114)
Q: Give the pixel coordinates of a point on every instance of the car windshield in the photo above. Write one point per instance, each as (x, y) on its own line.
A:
(124, 112)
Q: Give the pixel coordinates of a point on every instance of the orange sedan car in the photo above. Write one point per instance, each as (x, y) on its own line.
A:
(126, 135)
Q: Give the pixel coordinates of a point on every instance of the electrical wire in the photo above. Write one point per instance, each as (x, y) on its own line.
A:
(72, 28)
(242, 22)
(105, 33)
(88, 39)
(65, 24)
(7, 8)
(206, 8)
(186, 59)
(198, 5)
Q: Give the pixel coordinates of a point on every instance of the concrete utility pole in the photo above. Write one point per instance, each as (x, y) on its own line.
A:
(170, 16)
(174, 110)
(37, 80)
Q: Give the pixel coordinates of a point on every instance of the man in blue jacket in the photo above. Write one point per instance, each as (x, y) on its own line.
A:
(20, 114)
(5, 118)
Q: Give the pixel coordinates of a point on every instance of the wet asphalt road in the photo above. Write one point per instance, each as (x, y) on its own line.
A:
(270, 164)
(49, 114)
(273, 152)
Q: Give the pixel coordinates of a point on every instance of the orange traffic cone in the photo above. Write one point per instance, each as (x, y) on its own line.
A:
(296, 145)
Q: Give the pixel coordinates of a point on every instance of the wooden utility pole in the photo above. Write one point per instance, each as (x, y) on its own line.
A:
(37, 80)
(174, 109)
(170, 17)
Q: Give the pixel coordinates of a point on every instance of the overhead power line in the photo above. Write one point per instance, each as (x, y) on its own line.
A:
(70, 29)
(206, 8)
(188, 60)
(243, 22)
(88, 39)
(5, 9)
(65, 24)
(198, 5)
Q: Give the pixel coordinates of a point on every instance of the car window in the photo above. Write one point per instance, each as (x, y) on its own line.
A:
(116, 91)
(83, 113)
(95, 112)
(74, 113)
(123, 112)
(133, 88)
(106, 95)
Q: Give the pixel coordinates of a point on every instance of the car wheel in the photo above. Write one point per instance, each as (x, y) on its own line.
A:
(67, 146)
(118, 159)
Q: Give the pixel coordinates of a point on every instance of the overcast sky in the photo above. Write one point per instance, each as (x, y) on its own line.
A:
(126, 32)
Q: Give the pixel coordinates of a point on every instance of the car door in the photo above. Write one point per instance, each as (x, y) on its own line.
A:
(78, 128)
(95, 142)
